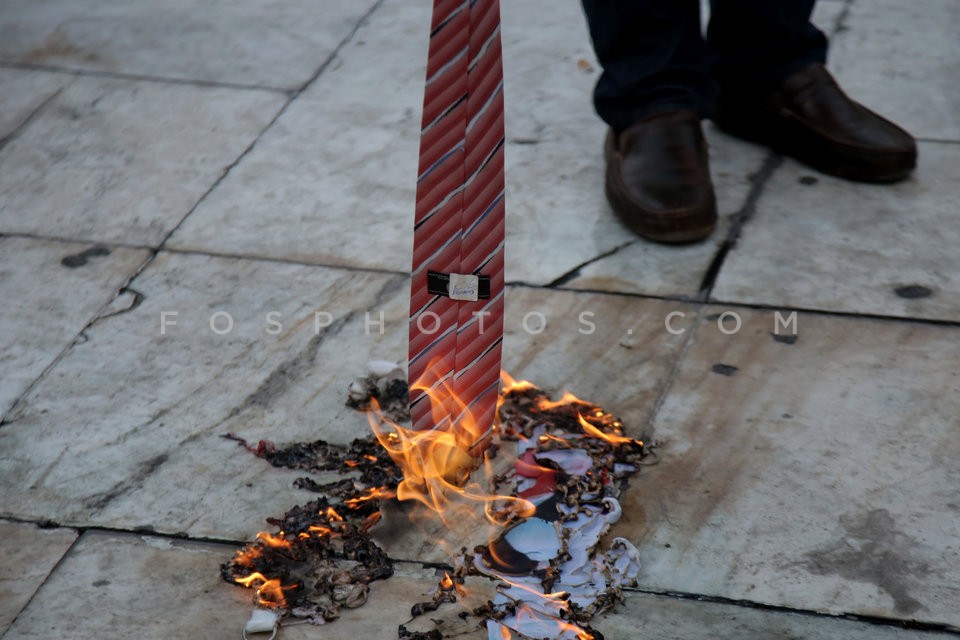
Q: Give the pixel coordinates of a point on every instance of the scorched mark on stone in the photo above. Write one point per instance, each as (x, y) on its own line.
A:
(913, 291)
(145, 470)
(724, 369)
(80, 259)
(874, 551)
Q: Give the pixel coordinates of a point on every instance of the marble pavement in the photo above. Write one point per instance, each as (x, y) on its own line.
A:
(171, 170)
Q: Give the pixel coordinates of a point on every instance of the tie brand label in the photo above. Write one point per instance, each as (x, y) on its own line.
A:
(464, 287)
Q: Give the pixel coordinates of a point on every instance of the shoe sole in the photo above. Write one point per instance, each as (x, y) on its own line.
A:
(684, 236)
(794, 141)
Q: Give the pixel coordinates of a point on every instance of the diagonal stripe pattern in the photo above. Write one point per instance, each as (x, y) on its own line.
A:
(459, 221)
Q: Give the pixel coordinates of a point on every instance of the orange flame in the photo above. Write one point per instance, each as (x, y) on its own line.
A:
(594, 432)
(374, 493)
(320, 530)
(278, 541)
(437, 464)
(371, 520)
(447, 582)
(269, 591)
(527, 613)
(551, 438)
(567, 399)
(508, 383)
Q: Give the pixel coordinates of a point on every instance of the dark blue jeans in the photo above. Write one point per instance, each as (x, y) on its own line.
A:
(655, 57)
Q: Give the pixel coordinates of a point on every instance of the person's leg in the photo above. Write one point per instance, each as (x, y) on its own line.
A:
(756, 44)
(775, 90)
(655, 89)
(653, 56)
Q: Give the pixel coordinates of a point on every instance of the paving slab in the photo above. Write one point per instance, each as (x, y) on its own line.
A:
(115, 585)
(127, 586)
(254, 42)
(318, 170)
(652, 617)
(125, 431)
(22, 93)
(332, 181)
(122, 586)
(28, 555)
(822, 243)
(123, 161)
(817, 473)
(901, 59)
(51, 290)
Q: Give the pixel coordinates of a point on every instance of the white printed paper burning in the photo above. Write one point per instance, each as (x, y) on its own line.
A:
(547, 513)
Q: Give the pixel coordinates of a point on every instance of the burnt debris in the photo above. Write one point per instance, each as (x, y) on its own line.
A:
(551, 576)
(321, 558)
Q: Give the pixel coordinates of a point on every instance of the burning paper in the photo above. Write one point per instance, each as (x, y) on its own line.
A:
(547, 512)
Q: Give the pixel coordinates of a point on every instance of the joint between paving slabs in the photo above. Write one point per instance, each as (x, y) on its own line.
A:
(913, 625)
(759, 180)
(840, 24)
(40, 108)
(276, 116)
(667, 385)
(81, 337)
(141, 530)
(136, 77)
(574, 272)
(33, 595)
(879, 621)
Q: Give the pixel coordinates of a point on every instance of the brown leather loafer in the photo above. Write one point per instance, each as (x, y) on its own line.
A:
(811, 119)
(658, 178)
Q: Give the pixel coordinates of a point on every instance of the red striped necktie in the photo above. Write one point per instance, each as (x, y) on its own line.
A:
(456, 308)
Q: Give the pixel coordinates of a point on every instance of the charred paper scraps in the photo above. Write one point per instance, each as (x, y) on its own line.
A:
(322, 558)
(386, 383)
(546, 575)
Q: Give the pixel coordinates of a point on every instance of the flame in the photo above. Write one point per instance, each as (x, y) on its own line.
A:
(526, 614)
(438, 467)
(357, 463)
(371, 520)
(567, 399)
(594, 432)
(562, 626)
(536, 607)
(551, 438)
(269, 591)
(245, 557)
(278, 541)
(558, 598)
(321, 531)
(509, 384)
(447, 583)
(437, 464)
(374, 493)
